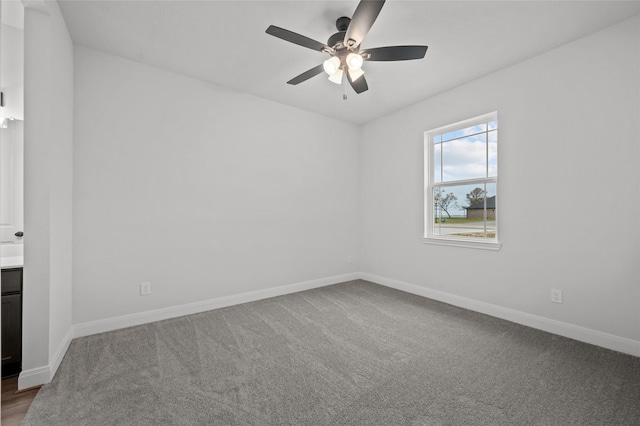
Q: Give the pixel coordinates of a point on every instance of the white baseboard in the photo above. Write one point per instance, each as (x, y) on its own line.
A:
(34, 377)
(42, 375)
(110, 324)
(62, 350)
(594, 337)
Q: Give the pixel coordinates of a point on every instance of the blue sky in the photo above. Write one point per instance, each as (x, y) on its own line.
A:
(467, 153)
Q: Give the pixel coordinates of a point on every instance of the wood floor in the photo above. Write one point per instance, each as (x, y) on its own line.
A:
(15, 404)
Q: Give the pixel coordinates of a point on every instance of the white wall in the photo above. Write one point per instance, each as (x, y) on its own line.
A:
(203, 191)
(61, 188)
(48, 192)
(568, 189)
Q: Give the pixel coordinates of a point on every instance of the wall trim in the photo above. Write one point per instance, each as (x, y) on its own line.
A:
(34, 377)
(42, 375)
(110, 324)
(61, 352)
(583, 334)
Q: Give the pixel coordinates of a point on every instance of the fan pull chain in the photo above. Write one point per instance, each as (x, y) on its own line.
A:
(344, 95)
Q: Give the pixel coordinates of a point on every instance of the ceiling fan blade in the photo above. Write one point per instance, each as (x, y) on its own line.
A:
(394, 53)
(359, 85)
(296, 38)
(306, 75)
(362, 21)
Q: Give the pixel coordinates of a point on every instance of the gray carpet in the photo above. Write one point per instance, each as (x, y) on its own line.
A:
(350, 354)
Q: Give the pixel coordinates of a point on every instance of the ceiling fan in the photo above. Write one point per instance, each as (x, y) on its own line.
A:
(344, 48)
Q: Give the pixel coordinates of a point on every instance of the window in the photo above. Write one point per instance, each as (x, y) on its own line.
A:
(461, 179)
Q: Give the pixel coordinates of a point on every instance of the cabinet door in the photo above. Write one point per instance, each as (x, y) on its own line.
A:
(11, 334)
(12, 280)
(11, 182)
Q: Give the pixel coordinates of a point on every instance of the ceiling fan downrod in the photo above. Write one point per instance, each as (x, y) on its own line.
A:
(342, 23)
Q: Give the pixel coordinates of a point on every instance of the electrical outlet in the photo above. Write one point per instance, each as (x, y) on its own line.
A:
(349, 259)
(556, 295)
(145, 288)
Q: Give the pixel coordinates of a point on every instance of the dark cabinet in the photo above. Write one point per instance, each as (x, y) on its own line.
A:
(11, 321)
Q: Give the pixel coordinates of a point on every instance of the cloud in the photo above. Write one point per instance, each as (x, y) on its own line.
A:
(467, 158)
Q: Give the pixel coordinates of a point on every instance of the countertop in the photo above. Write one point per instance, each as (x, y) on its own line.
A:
(11, 262)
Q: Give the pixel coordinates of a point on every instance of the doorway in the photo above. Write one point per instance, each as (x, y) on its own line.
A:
(11, 182)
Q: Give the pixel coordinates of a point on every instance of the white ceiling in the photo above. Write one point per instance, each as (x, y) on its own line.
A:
(224, 42)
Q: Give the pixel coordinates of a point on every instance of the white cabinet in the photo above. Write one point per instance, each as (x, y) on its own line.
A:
(11, 181)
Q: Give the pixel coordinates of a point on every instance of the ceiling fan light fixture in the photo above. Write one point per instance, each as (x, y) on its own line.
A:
(336, 77)
(331, 65)
(343, 48)
(355, 74)
(354, 61)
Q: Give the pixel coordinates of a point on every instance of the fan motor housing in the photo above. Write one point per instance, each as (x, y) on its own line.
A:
(336, 40)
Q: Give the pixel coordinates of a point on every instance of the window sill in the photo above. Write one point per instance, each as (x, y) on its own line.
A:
(482, 245)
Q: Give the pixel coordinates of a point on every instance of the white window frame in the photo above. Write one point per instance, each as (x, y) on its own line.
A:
(429, 184)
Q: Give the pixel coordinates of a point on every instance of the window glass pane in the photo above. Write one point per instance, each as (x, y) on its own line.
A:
(462, 210)
(493, 153)
(437, 161)
(464, 132)
(491, 211)
(465, 158)
(438, 219)
(465, 211)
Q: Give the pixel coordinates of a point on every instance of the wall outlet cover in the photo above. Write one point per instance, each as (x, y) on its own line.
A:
(145, 288)
(556, 295)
